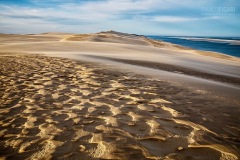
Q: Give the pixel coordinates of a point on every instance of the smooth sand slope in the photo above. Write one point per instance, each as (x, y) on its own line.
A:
(115, 96)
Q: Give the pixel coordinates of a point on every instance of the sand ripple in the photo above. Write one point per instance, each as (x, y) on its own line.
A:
(54, 108)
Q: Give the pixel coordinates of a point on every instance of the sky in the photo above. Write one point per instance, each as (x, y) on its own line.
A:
(144, 17)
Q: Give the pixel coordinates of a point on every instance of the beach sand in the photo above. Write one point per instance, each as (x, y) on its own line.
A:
(63, 103)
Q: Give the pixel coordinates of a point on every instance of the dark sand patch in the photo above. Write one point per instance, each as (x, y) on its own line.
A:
(177, 69)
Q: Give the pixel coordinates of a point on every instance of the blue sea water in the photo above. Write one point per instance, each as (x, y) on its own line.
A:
(226, 45)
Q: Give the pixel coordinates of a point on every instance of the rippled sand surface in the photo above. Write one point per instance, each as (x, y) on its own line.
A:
(56, 108)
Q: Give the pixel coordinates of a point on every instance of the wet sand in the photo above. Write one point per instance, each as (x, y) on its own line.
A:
(67, 108)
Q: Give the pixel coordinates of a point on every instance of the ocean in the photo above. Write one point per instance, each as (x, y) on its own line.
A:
(226, 45)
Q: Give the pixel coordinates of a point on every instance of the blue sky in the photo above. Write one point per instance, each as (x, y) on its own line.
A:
(148, 17)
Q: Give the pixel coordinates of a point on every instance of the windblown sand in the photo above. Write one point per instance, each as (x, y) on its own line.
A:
(56, 108)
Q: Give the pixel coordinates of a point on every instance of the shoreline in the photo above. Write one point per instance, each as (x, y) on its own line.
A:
(202, 52)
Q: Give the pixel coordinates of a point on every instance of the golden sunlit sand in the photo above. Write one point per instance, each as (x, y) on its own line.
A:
(58, 106)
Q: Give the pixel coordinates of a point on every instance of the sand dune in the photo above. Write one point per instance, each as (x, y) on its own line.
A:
(110, 37)
(72, 103)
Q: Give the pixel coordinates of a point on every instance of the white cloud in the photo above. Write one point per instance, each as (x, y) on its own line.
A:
(175, 19)
(105, 6)
(93, 16)
(49, 13)
(90, 11)
(125, 6)
(172, 19)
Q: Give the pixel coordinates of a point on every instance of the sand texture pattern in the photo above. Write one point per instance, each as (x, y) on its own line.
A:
(56, 108)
